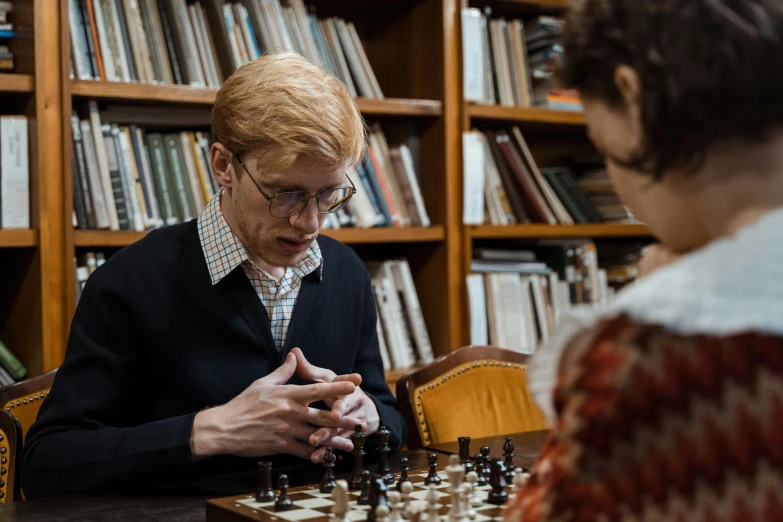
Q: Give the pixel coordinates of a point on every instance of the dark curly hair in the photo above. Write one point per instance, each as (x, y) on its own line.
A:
(710, 70)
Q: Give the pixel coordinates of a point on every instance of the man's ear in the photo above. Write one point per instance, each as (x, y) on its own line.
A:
(220, 157)
(630, 87)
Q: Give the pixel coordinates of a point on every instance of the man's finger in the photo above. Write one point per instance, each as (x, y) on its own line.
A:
(351, 377)
(321, 435)
(337, 443)
(294, 447)
(309, 372)
(310, 393)
(346, 405)
(282, 374)
(323, 418)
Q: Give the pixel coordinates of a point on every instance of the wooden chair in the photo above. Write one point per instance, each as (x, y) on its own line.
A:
(475, 391)
(23, 399)
(10, 446)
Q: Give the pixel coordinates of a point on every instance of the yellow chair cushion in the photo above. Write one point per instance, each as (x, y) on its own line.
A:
(478, 399)
(25, 409)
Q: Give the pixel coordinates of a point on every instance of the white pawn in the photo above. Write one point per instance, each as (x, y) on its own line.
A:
(520, 480)
(382, 513)
(466, 497)
(395, 498)
(340, 498)
(432, 505)
(407, 507)
(475, 499)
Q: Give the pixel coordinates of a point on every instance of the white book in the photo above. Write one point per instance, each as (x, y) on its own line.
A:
(103, 165)
(94, 175)
(14, 173)
(382, 345)
(477, 299)
(129, 170)
(403, 280)
(111, 69)
(473, 178)
(409, 182)
(190, 170)
(472, 55)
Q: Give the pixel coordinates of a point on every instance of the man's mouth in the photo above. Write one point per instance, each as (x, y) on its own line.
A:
(293, 245)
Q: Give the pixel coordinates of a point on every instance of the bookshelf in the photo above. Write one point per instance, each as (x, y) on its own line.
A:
(414, 47)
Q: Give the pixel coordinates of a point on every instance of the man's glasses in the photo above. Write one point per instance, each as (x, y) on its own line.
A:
(287, 204)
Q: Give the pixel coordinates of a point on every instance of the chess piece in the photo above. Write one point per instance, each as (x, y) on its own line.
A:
(485, 462)
(455, 471)
(283, 503)
(432, 476)
(508, 454)
(382, 513)
(497, 480)
(265, 492)
(364, 496)
(340, 498)
(378, 497)
(407, 508)
(328, 479)
(520, 480)
(466, 498)
(395, 501)
(358, 438)
(403, 473)
(432, 504)
(464, 453)
(483, 480)
(472, 479)
(382, 436)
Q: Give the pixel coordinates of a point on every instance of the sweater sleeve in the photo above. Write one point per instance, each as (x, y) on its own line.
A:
(92, 431)
(370, 366)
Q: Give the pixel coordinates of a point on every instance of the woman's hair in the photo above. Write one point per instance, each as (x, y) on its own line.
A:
(280, 107)
(709, 70)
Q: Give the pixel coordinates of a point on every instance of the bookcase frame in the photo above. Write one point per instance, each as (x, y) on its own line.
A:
(36, 324)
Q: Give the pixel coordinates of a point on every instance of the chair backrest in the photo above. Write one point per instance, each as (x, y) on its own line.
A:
(23, 399)
(10, 446)
(475, 391)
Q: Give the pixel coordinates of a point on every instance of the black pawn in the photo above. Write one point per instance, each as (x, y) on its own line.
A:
(508, 453)
(464, 453)
(328, 481)
(432, 476)
(383, 435)
(378, 497)
(358, 438)
(283, 503)
(403, 473)
(364, 496)
(483, 480)
(265, 492)
(498, 495)
(485, 462)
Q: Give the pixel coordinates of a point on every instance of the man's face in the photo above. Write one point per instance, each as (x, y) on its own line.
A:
(279, 242)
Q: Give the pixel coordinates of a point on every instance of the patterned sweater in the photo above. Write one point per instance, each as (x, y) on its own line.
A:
(658, 427)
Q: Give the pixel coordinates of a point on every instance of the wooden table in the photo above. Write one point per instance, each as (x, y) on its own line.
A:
(187, 501)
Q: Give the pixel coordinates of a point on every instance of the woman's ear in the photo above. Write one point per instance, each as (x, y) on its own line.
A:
(220, 158)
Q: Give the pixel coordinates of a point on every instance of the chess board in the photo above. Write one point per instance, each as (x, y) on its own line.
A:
(311, 505)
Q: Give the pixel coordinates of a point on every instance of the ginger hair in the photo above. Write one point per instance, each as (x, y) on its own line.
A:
(280, 107)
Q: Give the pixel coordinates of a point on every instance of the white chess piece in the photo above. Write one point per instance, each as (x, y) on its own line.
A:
(407, 507)
(395, 498)
(340, 498)
(466, 496)
(475, 499)
(382, 513)
(520, 480)
(432, 504)
(456, 471)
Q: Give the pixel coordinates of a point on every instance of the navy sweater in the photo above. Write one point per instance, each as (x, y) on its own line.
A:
(153, 342)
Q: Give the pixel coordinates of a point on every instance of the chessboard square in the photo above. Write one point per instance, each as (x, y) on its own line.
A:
(318, 494)
(421, 494)
(357, 516)
(482, 518)
(298, 514)
(485, 506)
(313, 503)
(251, 503)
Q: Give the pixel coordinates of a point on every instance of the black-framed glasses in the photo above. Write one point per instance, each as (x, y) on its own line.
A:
(287, 204)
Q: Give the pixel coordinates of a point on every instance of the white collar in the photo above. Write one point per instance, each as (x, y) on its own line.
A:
(731, 285)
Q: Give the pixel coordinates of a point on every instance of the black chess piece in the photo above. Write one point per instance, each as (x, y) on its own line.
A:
(403, 473)
(383, 435)
(432, 476)
(364, 495)
(265, 492)
(378, 496)
(485, 461)
(483, 480)
(498, 495)
(464, 453)
(328, 481)
(283, 503)
(508, 453)
(358, 438)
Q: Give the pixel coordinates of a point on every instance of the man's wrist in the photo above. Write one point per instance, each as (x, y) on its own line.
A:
(206, 439)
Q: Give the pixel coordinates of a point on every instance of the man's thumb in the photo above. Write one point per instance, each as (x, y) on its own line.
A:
(285, 371)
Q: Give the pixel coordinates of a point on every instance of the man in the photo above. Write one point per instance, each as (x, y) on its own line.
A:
(183, 343)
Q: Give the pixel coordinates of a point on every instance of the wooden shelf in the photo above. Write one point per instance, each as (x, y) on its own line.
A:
(112, 238)
(525, 114)
(598, 230)
(560, 4)
(196, 96)
(16, 83)
(22, 237)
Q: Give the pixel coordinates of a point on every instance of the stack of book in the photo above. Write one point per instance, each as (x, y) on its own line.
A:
(512, 62)
(6, 33)
(14, 173)
(11, 369)
(517, 297)
(201, 43)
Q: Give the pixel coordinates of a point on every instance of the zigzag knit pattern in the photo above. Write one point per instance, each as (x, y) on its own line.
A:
(657, 427)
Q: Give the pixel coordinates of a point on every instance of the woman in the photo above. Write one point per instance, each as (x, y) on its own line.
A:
(668, 404)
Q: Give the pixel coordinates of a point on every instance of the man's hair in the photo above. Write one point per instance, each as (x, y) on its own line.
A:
(710, 70)
(280, 107)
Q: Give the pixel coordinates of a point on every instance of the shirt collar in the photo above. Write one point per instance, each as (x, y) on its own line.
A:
(223, 251)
